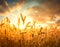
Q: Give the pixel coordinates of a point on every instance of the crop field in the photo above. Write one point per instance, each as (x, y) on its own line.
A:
(32, 35)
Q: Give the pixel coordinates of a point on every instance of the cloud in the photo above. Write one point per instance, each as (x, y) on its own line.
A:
(53, 6)
(3, 6)
(43, 12)
(37, 13)
(58, 22)
(7, 6)
(49, 7)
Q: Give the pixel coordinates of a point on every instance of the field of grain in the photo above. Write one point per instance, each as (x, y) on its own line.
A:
(11, 36)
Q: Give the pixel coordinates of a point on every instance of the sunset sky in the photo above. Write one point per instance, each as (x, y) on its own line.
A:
(37, 9)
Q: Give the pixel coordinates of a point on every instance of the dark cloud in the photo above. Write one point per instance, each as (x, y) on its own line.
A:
(3, 6)
(50, 6)
(7, 5)
(53, 6)
(51, 1)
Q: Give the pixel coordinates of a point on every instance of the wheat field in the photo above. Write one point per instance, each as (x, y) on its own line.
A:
(10, 36)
